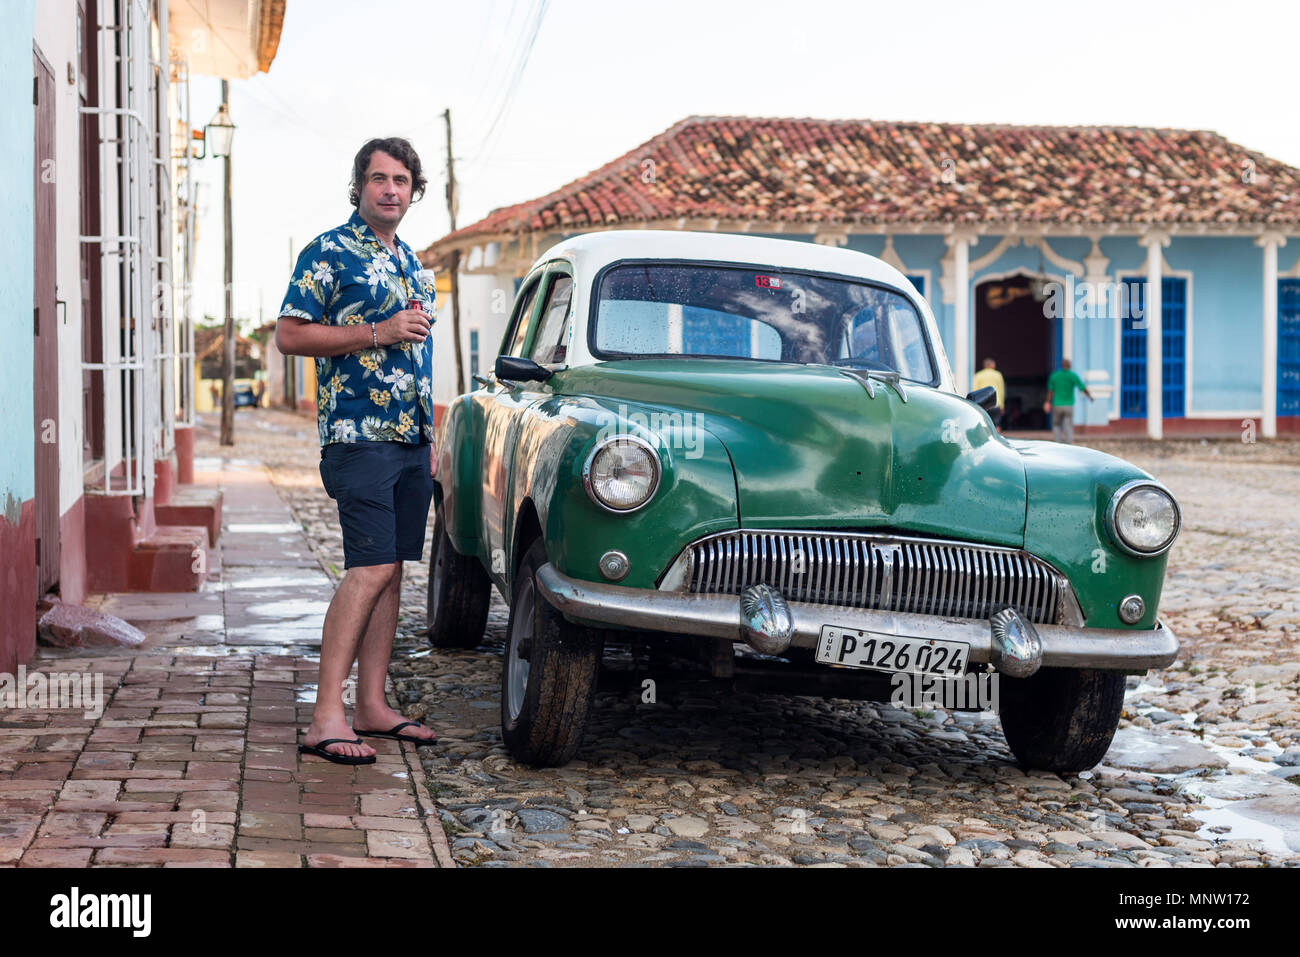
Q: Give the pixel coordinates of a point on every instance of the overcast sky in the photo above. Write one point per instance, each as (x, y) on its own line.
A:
(605, 76)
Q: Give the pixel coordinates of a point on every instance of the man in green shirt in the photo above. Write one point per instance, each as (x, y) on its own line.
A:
(1060, 387)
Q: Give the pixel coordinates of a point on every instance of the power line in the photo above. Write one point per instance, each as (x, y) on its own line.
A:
(516, 77)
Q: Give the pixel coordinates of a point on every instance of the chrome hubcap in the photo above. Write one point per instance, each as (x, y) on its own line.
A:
(516, 667)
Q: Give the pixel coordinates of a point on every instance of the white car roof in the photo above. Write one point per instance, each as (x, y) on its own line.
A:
(591, 252)
(588, 253)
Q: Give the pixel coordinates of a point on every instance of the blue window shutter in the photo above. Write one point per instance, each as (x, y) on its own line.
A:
(1173, 350)
(1133, 353)
(1173, 343)
(1288, 347)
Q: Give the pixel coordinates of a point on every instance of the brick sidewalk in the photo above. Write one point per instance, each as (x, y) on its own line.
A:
(194, 761)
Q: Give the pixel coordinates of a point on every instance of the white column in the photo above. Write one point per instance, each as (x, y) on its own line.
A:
(959, 243)
(1270, 243)
(1152, 316)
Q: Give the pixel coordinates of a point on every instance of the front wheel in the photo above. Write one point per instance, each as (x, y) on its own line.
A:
(1061, 719)
(548, 677)
(459, 592)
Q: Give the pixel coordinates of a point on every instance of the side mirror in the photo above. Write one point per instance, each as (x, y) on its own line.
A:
(986, 398)
(513, 369)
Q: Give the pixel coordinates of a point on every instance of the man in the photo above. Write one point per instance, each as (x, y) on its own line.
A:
(1060, 387)
(989, 376)
(348, 307)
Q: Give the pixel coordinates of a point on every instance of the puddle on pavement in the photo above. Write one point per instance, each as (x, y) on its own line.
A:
(305, 693)
(268, 528)
(209, 463)
(1223, 822)
(214, 651)
(290, 608)
(1235, 798)
(280, 581)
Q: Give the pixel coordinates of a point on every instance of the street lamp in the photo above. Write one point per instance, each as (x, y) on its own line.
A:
(219, 131)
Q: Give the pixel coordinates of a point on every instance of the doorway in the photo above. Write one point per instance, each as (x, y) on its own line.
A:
(45, 322)
(1012, 329)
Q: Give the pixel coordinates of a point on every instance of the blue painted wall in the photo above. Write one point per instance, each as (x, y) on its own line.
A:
(1226, 333)
(17, 126)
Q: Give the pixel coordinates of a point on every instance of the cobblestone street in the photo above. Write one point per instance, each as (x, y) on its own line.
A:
(1198, 775)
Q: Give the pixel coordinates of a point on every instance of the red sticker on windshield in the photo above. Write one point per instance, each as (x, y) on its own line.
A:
(768, 282)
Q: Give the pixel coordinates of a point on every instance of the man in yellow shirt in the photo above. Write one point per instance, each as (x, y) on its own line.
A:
(990, 376)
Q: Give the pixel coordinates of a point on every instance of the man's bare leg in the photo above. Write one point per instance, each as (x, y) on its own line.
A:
(373, 712)
(346, 621)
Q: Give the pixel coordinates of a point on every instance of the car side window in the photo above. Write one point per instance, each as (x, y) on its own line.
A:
(551, 343)
(519, 331)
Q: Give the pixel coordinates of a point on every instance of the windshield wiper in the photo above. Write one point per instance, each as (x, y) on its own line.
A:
(869, 377)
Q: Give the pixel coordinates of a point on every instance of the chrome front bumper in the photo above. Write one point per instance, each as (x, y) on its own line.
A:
(719, 616)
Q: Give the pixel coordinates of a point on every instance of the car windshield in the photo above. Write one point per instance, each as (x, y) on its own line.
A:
(747, 312)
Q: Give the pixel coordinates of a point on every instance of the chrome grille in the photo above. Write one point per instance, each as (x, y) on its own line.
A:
(884, 573)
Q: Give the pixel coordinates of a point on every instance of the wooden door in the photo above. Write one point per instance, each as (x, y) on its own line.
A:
(46, 371)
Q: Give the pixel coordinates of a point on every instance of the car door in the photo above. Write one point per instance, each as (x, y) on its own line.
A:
(545, 341)
(501, 403)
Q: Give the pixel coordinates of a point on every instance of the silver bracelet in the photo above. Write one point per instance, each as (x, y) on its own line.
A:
(374, 336)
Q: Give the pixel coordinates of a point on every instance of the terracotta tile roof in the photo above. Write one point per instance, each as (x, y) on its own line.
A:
(862, 171)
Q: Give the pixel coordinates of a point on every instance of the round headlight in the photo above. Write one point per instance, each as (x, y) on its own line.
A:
(622, 473)
(1143, 517)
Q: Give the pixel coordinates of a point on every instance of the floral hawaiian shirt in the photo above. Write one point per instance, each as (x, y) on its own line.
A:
(346, 276)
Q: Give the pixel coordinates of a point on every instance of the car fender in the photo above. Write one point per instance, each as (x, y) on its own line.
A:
(696, 495)
(1069, 489)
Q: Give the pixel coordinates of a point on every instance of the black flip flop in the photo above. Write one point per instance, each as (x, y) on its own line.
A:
(318, 749)
(392, 733)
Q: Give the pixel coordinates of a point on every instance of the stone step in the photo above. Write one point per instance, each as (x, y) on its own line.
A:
(193, 505)
(174, 558)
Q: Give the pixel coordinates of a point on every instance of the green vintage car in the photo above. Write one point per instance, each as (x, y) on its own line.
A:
(752, 449)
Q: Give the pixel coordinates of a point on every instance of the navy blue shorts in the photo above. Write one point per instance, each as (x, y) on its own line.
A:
(383, 490)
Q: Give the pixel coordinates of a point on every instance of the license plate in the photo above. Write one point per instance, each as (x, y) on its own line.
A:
(850, 648)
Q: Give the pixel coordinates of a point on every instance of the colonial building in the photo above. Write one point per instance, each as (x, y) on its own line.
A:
(1163, 263)
(98, 412)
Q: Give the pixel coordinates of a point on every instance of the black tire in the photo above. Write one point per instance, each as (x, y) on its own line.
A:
(544, 718)
(459, 592)
(1061, 719)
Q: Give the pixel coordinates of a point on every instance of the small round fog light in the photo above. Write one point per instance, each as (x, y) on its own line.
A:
(614, 566)
(1131, 609)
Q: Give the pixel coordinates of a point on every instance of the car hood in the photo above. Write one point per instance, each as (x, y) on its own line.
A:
(810, 448)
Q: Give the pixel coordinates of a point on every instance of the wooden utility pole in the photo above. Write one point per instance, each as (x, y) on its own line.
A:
(228, 362)
(290, 362)
(455, 260)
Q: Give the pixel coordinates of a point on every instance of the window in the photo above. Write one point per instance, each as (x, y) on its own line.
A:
(473, 352)
(1288, 347)
(519, 328)
(738, 312)
(552, 341)
(1173, 349)
(918, 282)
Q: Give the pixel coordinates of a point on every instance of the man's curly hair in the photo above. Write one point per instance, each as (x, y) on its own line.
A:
(400, 150)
